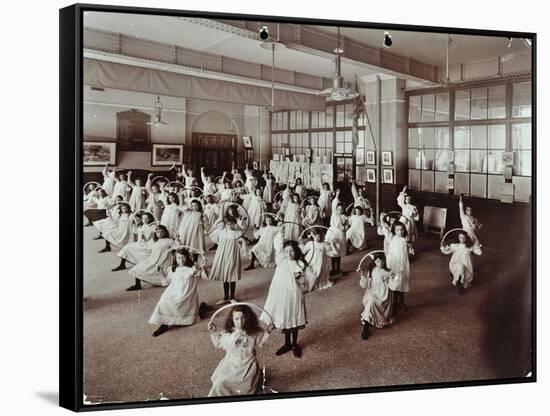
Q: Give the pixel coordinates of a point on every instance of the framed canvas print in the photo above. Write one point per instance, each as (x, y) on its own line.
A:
(166, 154)
(371, 175)
(98, 153)
(371, 157)
(156, 311)
(387, 159)
(387, 174)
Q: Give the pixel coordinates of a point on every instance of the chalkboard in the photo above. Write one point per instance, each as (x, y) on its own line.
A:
(434, 219)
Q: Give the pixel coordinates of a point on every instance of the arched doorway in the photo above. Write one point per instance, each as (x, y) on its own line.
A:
(214, 142)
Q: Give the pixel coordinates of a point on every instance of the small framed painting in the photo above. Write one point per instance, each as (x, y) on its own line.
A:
(371, 175)
(166, 154)
(247, 141)
(387, 159)
(98, 153)
(371, 157)
(255, 165)
(387, 175)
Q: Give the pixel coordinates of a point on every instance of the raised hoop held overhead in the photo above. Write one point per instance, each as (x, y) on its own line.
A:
(86, 185)
(242, 216)
(315, 197)
(397, 215)
(159, 179)
(252, 306)
(453, 231)
(143, 210)
(175, 184)
(369, 256)
(192, 251)
(310, 228)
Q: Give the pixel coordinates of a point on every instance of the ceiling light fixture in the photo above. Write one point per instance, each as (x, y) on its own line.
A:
(510, 42)
(264, 33)
(387, 39)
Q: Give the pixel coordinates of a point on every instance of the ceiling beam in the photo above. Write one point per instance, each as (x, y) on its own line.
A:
(317, 42)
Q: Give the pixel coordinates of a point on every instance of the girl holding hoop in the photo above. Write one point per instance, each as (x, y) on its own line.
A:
(285, 302)
(411, 213)
(293, 219)
(179, 303)
(191, 228)
(325, 201)
(316, 255)
(469, 223)
(263, 250)
(336, 234)
(137, 251)
(239, 371)
(460, 266)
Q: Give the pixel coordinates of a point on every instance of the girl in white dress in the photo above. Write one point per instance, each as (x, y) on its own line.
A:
(299, 189)
(137, 251)
(212, 214)
(269, 190)
(191, 228)
(179, 303)
(398, 261)
(285, 301)
(226, 266)
(356, 233)
(151, 269)
(237, 177)
(316, 256)
(138, 197)
(312, 214)
(119, 235)
(325, 202)
(469, 222)
(239, 371)
(380, 230)
(263, 250)
(98, 202)
(359, 198)
(171, 214)
(256, 208)
(337, 234)
(293, 219)
(154, 200)
(122, 187)
(378, 298)
(108, 179)
(226, 194)
(411, 213)
(208, 184)
(460, 266)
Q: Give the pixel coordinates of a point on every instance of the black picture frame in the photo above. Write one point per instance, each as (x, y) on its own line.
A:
(70, 209)
(170, 159)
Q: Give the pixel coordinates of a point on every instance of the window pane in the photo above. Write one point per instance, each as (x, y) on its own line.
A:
(462, 184)
(462, 138)
(428, 107)
(349, 115)
(478, 186)
(361, 140)
(477, 161)
(522, 166)
(497, 137)
(292, 139)
(522, 191)
(298, 119)
(314, 119)
(348, 136)
(442, 106)
(521, 106)
(441, 160)
(339, 147)
(322, 120)
(414, 179)
(428, 156)
(415, 161)
(494, 162)
(442, 139)
(462, 105)
(494, 184)
(479, 103)
(415, 102)
(348, 148)
(329, 117)
(293, 120)
(285, 121)
(441, 182)
(479, 137)
(340, 115)
(427, 137)
(497, 101)
(414, 140)
(427, 181)
(521, 136)
(314, 140)
(462, 160)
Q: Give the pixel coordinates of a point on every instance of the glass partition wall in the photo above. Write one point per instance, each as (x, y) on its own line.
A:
(473, 126)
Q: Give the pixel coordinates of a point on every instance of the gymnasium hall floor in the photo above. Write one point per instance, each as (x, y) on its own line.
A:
(444, 336)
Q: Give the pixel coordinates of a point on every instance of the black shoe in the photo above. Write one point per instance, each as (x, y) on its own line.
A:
(161, 330)
(119, 268)
(104, 250)
(284, 349)
(203, 308)
(214, 247)
(297, 351)
(133, 287)
(250, 267)
(365, 333)
(99, 237)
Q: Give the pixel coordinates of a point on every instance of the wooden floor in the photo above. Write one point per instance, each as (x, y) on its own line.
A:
(484, 334)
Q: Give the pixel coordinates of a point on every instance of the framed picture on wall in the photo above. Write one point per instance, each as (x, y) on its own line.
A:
(247, 141)
(371, 157)
(98, 153)
(255, 165)
(371, 175)
(166, 154)
(387, 175)
(387, 159)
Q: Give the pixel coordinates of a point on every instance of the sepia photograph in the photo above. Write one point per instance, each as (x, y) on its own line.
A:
(220, 261)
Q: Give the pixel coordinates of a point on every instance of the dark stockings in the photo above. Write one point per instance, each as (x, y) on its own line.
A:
(229, 290)
(335, 264)
(252, 263)
(136, 286)
(106, 248)
(121, 266)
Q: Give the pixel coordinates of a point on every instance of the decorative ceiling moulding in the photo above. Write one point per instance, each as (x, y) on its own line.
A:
(114, 71)
(127, 46)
